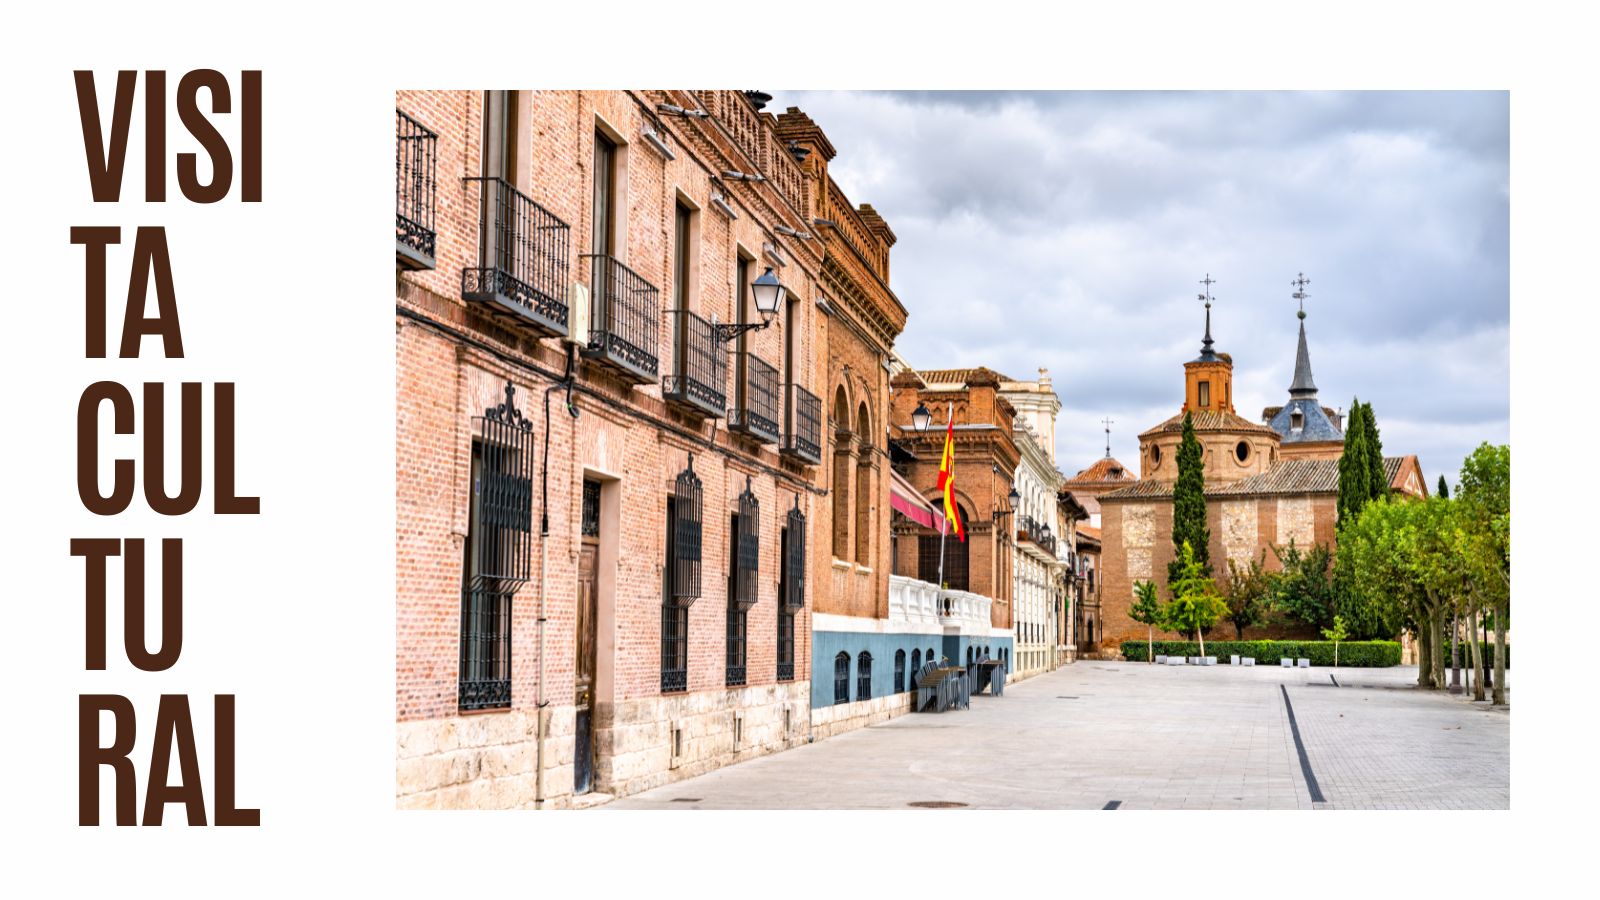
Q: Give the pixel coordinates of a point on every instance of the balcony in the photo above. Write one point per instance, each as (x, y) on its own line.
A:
(911, 600)
(755, 410)
(416, 155)
(965, 610)
(522, 264)
(1032, 531)
(624, 320)
(802, 439)
(699, 378)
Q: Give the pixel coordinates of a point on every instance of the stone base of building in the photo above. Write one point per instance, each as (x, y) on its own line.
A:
(827, 721)
(490, 760)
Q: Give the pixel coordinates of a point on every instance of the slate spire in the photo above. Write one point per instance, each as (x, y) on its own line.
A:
(1303, 388)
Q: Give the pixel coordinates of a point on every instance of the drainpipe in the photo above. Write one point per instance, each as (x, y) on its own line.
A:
(541, 710)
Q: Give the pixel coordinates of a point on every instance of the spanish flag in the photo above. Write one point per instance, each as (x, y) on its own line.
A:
(947, 478)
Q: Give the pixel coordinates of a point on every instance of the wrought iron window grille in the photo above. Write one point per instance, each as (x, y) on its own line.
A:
(590, 521)
(864, 676)
(416, 156)
(785, 645)
(794, 576)
(747, 564)
(687, 529)
(499, 553)
(674, 649)
(899, 671)
(523, 259)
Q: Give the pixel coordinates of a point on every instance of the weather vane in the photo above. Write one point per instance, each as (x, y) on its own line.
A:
(1300, 294)
(1205, 345)
(1108, 423)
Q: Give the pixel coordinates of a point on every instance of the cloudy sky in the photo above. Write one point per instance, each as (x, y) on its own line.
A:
(1071, 230)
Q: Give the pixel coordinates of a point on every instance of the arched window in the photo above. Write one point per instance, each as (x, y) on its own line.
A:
(863, 676)
(841, 475)
(899, 671)
(971, 650)
(930, 657)
(841, 678)
(916, 663)
(864, 473)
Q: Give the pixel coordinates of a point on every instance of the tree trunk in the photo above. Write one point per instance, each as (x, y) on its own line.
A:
(1500, 654)
(1336, 654)
(1477, 657)
(1455, 653)
(1149, 644)
(1424, 657)
(1200, 636)
(1436, 647)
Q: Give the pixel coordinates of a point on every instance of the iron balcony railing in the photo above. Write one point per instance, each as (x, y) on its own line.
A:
(802, 437)
(624, 319)
(1036, 532)
(522, 260)
(698, 381)
(755, 410)
(416, 156)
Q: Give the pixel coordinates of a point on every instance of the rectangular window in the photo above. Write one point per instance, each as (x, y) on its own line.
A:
(602, 240)
(737, 611)
(674, 614)
(785, 613)
(680, 256)
(1205, 394)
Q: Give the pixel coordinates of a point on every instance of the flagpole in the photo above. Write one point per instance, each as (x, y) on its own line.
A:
(944, 524)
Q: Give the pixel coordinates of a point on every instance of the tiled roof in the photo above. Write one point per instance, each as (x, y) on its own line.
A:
(981, 374)
(1101, 472)
(1287, 476)
(1089, 531)
(1211, 420)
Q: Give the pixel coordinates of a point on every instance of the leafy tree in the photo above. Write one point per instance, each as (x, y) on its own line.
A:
(1484, 538)
(1304, 589)
(1444, 489)
(1377, 480)
(1354, 480)
(1195, 603)
(1335, 634)
(1248, 593)
(1147, 611)
(1189, 506)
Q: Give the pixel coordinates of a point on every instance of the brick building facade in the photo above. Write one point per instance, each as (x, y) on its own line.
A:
(612, 520)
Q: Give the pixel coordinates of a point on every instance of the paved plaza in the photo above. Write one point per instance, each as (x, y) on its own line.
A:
(1095, 735)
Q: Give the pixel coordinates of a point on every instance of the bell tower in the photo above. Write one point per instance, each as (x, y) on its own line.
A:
(1208, 379)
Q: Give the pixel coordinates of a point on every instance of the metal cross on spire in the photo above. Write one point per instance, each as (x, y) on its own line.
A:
(1205, 345)
(1300, 294)
(1108, 421)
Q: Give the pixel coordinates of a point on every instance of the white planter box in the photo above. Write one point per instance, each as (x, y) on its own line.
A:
(1175, 661)
(1249, 661)
(1211, 660)
(1161, 659)
(1305, 663)
(1288, 663)
(1233, 660)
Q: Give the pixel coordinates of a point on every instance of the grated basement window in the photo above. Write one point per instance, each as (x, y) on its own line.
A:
(498, 552)
(864, 676)
(841, 678)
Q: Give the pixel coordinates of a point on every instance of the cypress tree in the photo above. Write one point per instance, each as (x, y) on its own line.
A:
(1189, 506)
(1379, 481)
(1354, 480)
(1444, 489)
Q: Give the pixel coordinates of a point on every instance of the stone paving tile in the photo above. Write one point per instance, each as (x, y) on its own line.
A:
(1153, 737)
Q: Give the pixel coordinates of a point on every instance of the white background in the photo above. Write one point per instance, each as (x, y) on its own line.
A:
(292, 610)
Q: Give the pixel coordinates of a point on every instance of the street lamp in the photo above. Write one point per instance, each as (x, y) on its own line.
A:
(768, 291)
(920, 418)
(1013, 498)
